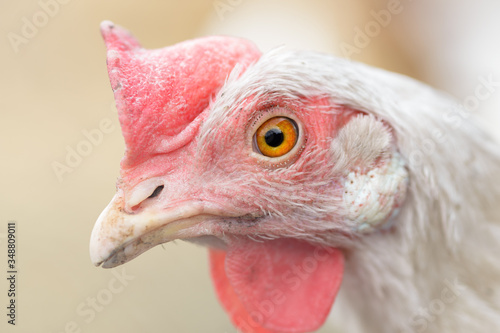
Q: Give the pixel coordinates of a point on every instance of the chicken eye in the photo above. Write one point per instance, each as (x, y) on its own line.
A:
(276, 137)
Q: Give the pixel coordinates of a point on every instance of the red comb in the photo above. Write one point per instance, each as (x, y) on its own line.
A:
(159, 92)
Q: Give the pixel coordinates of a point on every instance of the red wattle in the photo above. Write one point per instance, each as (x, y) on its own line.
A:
(283, 285)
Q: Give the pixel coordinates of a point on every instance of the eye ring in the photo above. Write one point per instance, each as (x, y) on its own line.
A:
(262, 117)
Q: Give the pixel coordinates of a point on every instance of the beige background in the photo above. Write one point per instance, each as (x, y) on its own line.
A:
(56, 86)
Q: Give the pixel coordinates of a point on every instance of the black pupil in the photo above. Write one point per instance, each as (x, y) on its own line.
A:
(274, 137)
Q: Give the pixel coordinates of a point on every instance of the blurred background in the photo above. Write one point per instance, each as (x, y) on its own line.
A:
(54, 89)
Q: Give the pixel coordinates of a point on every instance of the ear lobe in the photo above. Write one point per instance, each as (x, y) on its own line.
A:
(360, 143)
(374, 174)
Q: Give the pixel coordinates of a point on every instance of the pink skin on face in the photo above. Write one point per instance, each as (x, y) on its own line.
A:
(177, 182)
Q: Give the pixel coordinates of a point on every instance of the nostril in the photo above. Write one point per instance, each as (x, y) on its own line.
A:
(138, 195)
(156, 192)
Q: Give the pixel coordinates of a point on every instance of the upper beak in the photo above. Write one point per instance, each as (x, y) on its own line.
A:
(119, 237)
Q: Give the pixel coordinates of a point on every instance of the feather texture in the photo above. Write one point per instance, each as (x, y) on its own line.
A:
(389, 172)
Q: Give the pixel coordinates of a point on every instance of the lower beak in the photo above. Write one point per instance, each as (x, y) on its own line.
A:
(119, 237)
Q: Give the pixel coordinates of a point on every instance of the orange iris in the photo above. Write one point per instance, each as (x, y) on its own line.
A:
(276, 137)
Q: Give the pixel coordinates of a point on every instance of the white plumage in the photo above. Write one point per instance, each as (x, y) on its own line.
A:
(430, 265)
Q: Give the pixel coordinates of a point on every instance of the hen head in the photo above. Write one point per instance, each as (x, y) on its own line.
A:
(277, 162)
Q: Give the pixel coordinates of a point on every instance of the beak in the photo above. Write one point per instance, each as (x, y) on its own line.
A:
(119, 237)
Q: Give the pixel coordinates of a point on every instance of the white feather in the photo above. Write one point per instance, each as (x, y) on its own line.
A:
(447, 231)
